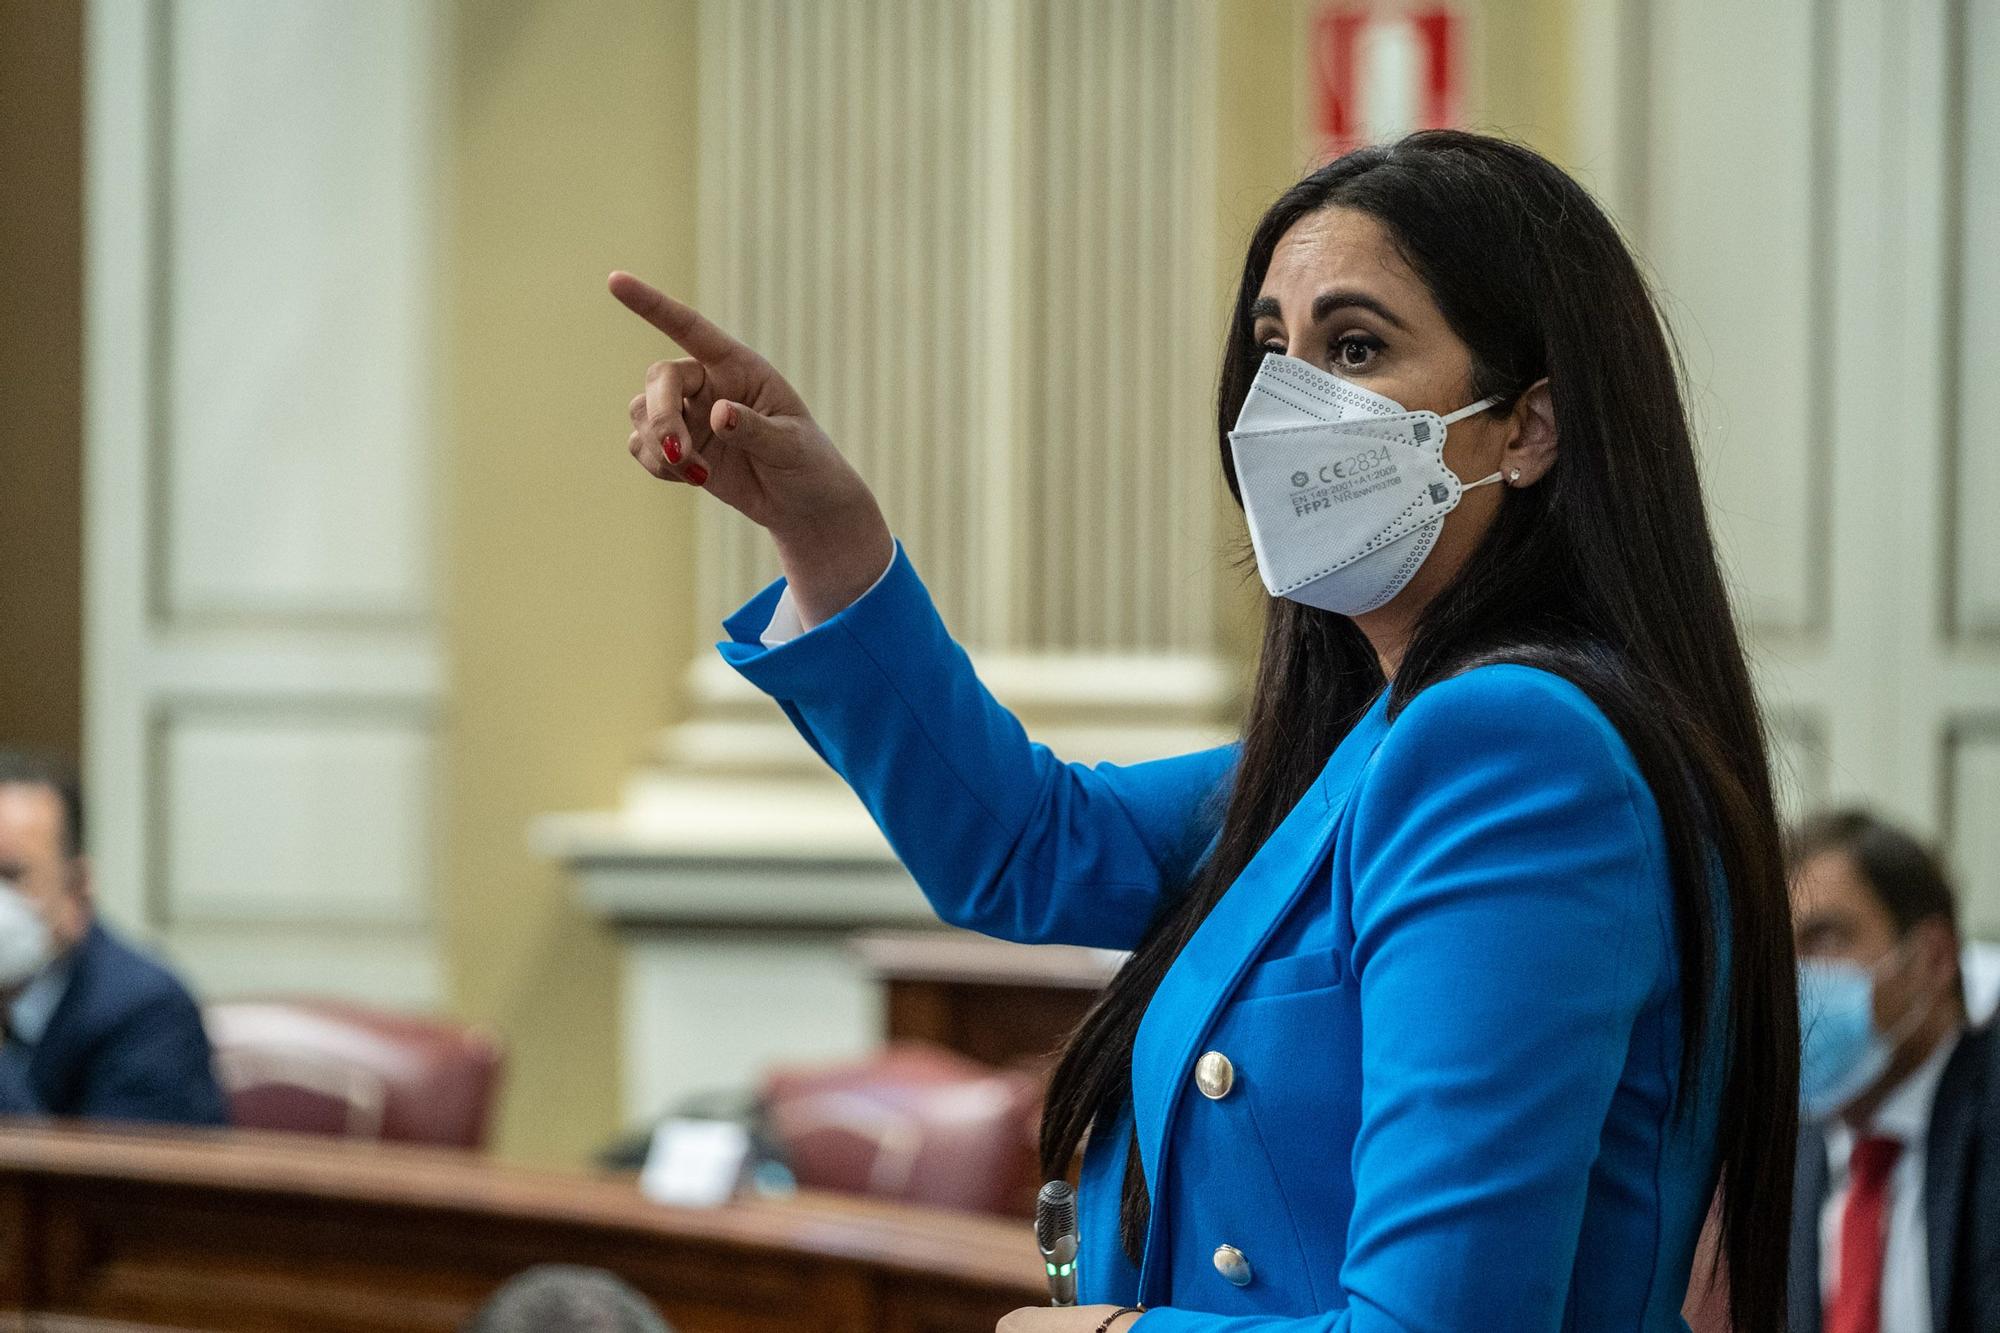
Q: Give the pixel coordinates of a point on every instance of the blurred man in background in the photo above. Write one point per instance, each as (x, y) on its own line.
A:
(88, 1026)
(1897, 1224)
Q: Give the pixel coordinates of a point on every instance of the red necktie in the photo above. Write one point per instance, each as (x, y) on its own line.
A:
(1864, 1232)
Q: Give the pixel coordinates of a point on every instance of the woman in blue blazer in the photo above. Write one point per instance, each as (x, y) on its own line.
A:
(1459, 983)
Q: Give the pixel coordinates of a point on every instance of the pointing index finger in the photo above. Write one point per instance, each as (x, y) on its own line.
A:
(683, 323)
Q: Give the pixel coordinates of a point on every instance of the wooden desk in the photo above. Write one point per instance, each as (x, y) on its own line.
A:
(1001, 1003)
(213, 1230)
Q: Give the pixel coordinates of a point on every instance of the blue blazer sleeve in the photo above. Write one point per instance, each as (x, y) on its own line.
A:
(1003, 837)
(1508, 895)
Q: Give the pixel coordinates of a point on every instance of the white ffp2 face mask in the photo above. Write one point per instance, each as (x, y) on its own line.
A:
(1345, 492)
(27, 945)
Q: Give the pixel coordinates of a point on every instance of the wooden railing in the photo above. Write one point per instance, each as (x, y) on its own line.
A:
(223, 1231)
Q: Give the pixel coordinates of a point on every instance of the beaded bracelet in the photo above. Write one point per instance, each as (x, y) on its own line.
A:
(1119, 1314)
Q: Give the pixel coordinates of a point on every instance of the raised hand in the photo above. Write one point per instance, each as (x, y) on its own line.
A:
(723, 419)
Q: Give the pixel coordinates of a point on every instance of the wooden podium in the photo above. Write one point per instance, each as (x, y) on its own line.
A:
(218, 1230)
(1004, 1004)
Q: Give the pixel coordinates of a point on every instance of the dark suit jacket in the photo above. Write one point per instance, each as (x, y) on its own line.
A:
(1961, 1198)
(125, 1043)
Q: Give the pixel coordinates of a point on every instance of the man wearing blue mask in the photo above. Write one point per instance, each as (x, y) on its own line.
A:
(1897, 1223)
(89, 1027)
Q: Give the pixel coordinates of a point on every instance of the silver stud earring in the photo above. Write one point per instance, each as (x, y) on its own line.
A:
(1513, 475)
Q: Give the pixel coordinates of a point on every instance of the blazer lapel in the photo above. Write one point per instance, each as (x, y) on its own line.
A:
(1947, 1168)
(1808, 1197)
(1229, 939)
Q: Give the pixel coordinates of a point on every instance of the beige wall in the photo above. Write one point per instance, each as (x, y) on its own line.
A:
(567, 150)
(569, 153)
(1523, 73)
(567, 587)
(41, 355)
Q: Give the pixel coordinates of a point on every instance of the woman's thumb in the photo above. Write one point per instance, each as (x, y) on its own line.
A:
(742, 425)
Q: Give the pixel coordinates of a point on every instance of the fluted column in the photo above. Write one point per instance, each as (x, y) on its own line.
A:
(979, 237)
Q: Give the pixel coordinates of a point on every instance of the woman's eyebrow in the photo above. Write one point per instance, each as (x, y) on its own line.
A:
(1325, 304)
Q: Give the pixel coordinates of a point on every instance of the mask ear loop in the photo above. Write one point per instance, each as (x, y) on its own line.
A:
(1460, 415)
(1469, 409)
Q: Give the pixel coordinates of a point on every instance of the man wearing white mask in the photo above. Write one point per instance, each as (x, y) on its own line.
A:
(89, 1027)
(1897, 1223)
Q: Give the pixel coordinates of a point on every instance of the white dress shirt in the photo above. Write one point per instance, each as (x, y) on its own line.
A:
(1979, 964)
(29, 1012)
(1906, 1276)
(785, 622)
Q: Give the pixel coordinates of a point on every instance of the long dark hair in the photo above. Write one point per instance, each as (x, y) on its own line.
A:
(1604, 573)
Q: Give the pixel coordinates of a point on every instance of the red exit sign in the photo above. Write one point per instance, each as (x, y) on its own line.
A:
(1380, 71)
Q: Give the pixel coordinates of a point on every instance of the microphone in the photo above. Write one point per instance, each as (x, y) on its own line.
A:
(1056, 1238)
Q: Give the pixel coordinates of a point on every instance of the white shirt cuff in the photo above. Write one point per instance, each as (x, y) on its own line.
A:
(785, 623)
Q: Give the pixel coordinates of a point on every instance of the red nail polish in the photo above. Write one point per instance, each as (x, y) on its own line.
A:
(697, 474)
(673, 448)
(729, 418)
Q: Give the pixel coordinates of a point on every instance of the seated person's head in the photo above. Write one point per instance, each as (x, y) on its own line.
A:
(1873, 916)
(45, 907)
(566, 1298)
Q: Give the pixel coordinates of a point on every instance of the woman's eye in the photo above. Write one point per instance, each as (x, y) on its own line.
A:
(1355, 351)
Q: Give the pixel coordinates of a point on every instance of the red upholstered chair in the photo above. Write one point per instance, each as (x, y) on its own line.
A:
(912, 1122)
(329, 1067)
